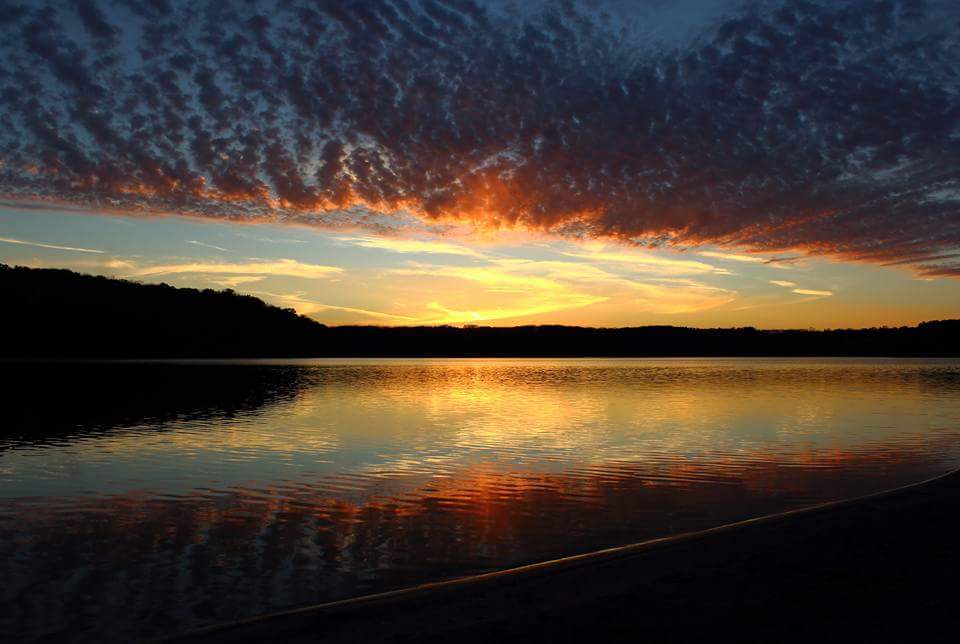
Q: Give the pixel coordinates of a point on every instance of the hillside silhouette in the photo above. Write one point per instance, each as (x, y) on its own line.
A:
(55, 313)
(59, 313)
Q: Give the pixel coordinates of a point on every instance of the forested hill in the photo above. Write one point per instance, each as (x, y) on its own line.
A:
(61, 314)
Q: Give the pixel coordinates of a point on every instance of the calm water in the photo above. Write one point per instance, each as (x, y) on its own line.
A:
(139, 500)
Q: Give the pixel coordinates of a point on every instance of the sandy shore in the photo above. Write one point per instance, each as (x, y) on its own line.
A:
(882, 568)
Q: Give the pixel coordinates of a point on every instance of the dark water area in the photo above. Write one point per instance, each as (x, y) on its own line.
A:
(139, 500)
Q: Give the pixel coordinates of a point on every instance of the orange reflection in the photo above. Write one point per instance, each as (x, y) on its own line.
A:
(180, 559)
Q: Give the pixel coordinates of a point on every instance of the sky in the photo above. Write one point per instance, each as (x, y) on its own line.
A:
(608, 163)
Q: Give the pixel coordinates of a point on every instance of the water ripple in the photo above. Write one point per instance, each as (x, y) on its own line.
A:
(152, 497)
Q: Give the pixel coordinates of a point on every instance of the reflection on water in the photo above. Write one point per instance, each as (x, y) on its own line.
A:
(140, 500)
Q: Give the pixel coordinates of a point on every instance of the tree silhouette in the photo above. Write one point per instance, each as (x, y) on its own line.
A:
(52, 313)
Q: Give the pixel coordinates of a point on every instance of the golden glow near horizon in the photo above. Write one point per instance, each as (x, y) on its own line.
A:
(465, 277)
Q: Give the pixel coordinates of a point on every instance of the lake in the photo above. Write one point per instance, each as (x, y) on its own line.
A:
(142, 499)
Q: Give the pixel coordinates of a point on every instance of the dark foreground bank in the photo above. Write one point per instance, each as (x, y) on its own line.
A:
(110, 318)
(881, 569)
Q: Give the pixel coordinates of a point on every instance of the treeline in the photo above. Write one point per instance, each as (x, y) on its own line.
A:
(928, 339)
(62, 314)
(54, 313)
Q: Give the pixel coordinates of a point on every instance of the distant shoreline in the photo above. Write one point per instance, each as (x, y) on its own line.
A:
(52, 313)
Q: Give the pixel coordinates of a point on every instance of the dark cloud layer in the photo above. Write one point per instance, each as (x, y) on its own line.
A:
(831, 127)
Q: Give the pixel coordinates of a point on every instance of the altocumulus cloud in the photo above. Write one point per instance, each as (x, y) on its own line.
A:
(814, 126)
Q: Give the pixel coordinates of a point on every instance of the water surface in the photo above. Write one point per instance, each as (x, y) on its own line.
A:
(138, 500)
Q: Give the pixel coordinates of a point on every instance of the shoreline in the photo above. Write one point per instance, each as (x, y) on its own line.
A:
(553, 600)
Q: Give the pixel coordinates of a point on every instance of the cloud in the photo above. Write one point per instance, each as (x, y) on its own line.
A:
(646, 261)
(271, 240)
(775, 262)
(280, 267)
(517, 288)
(23, 242)
(400, 245)
(210, 246)
(119, 264)
(800, 291)
(753, 259)
(814, 127)
(516, 294)
(238, 280)
(304, 306)
(453, 316)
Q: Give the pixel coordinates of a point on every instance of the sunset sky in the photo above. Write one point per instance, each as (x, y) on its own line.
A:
(608, 163)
